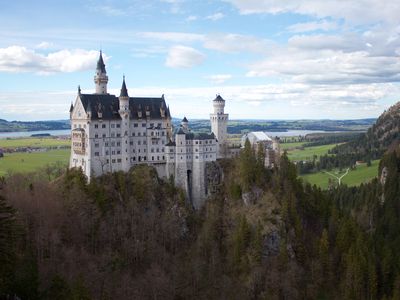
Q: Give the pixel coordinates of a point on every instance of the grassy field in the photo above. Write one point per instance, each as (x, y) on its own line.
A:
(308, 152)
(27, 162)
(292, 145)
(33, 142)
(355, 177)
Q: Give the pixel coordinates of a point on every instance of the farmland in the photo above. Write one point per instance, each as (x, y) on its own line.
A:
(29, 162)
(361, 174)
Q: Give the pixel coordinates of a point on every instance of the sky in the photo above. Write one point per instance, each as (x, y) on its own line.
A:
(268, 59)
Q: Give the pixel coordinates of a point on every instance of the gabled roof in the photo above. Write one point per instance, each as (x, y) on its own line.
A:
(260, 135)
(100, 64)
(108, 105)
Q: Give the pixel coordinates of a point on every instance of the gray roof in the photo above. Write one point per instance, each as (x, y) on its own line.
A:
(100, 64)
(124, 91)
(180, 131)
(219, 98)
(200, 136)
(108, 105)
(185, 120)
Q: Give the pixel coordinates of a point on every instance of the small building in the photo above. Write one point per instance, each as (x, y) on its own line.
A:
(271, 146)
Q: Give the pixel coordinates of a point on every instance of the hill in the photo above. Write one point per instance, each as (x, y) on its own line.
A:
(6, 126)
(383, 135)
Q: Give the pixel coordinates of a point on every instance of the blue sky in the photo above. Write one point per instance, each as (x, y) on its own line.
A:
(269, 59)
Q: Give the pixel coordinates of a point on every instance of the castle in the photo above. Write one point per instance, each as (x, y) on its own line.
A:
(110, 133)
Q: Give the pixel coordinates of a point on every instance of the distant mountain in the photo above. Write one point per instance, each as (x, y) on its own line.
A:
(384, 134)
(6, 126)
(203, 125)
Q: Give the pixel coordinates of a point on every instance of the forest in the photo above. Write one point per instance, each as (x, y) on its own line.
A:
(265, 234)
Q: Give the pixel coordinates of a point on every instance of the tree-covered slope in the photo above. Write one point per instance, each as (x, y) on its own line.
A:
(264, 235)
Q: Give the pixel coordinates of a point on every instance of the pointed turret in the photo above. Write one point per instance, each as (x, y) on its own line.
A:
(124, 91)
(100, 64)
(101, 78)
(185, 125)
(71, 108)
(124, 100)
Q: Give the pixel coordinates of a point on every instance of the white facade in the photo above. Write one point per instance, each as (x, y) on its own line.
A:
(110, 133)
(219, 125)
(271, 146)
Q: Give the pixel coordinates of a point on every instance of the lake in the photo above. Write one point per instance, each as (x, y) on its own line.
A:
(4, 135)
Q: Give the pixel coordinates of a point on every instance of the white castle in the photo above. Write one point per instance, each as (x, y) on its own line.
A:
(110, 133)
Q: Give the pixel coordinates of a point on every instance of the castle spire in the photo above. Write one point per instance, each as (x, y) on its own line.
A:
(100, 64)
(124, 90)
(101, 78)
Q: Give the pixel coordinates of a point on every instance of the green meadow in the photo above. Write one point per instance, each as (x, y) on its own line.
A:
(28, 162)
(308, 152)
(361, 174)
(44, 142)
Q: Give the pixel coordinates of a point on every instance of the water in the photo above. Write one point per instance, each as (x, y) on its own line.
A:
(294, 132)
(4, 135)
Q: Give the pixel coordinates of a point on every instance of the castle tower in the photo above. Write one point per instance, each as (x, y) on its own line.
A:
(125, 120)
(101, 78)
(219, 124)
(185, 125)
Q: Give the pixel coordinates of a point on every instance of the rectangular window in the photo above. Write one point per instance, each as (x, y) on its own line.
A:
(135, 125)
(96, 125)
(96, 145)
(96, 136)
(118, 151)
(118, 125)
(107, 152)
(118, 143)
(112, 125)
(96, 154)
(143, 124)
(118, 135)
(113, 160)
(103, 125)
(119, 160)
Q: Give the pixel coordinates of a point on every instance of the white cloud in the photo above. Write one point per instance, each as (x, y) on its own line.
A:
(219, 78)
(177, 37)
(20, 59)
(313, 26)
(44, 45)
(183, 57)
(353, 11)
(216, 16)
(233, 43)
(191, 18)
(110, 10)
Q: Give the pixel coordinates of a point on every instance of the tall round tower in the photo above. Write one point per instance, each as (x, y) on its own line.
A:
(101, 78)
(125, 124)
(219, 124)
